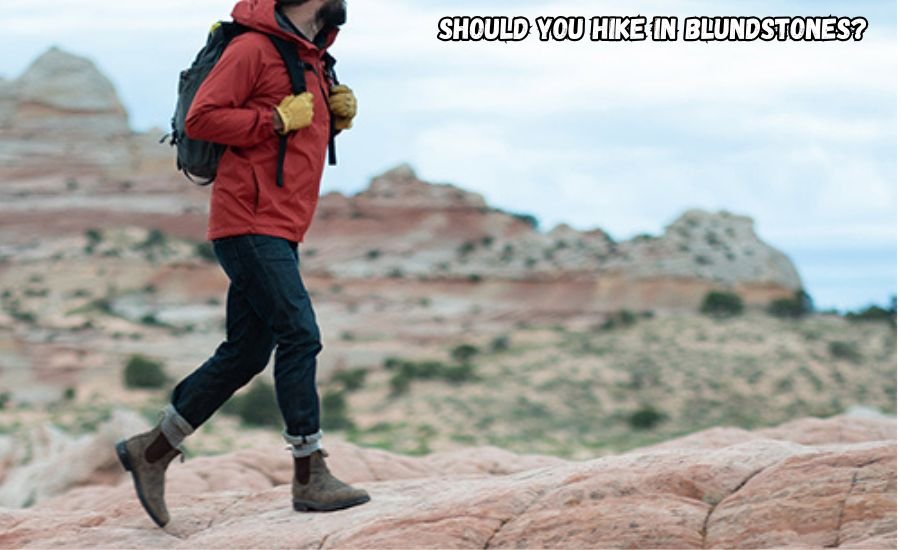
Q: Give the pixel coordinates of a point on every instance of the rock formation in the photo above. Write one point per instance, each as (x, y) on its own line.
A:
(406, 228)
(810, 483)
(63, 114)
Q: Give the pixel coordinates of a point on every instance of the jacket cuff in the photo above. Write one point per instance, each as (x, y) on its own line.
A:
(266, 123)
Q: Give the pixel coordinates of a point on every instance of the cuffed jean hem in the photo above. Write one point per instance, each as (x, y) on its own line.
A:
(304, 445)
(174, 426)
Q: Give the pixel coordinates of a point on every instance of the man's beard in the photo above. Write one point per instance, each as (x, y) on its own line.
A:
(332, 13)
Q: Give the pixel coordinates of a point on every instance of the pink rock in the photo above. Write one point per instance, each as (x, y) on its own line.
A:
(716, 490)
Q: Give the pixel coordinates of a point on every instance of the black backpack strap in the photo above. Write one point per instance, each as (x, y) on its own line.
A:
(330, 62)
(295, 69)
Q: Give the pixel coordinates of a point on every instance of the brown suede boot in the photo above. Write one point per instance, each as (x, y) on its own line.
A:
(148, 470)
(314, 488)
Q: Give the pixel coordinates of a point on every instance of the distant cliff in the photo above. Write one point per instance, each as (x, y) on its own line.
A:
(403, 227)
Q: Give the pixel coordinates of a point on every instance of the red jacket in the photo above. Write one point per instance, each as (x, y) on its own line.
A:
(234, 107)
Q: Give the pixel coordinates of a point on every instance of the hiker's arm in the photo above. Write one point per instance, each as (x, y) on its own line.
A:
(217, 113)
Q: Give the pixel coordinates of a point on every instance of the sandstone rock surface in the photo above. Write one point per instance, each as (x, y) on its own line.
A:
(811, 483)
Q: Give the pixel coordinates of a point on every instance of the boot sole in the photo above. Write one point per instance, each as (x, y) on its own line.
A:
(312, 506)
(122, 453)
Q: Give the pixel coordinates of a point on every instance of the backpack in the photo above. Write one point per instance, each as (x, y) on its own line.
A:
(199, 159)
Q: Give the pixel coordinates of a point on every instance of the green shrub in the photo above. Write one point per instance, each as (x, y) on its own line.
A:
(256, 407)
(334, 412)
(876, 313)
(407, 371)
(796, 307)
(645, 418)
(205, 252)
(844, 350)
(527, 218)
(464, 353)
(722, 304)
(399, 383)
(145, 373)
(351, 379)
(500, 343)
(155, 238)
(465, 248)
(151, 320)
(620, 319)
(94, 237)
(458, 373)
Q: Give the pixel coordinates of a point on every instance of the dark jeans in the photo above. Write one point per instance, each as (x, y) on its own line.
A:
(268, 306)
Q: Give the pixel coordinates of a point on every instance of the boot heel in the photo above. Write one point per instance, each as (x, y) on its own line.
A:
(300, 507)
(122, 453)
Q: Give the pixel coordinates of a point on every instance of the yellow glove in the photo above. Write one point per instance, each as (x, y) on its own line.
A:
(295, 111)
(342, 103)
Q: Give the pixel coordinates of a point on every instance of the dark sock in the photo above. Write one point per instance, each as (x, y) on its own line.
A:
(301, 469)
(158, 448)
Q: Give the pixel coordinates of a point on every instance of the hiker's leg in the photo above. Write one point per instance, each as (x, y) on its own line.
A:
(280, 297)
(295, 371)
(242, 355)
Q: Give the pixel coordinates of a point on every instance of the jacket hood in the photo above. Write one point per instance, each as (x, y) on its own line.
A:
(260, 15)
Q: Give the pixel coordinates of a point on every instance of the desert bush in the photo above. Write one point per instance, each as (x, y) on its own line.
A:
(151, 320)
(527, 218)
(875, 313)
(256, 407)
(500, 343)
(464, 353)
(155, 238)
(619, 319)
(352, 379)
(844, 350)
(94, 237)
(465, 248)
(144, 373)
(205, 252)
(722, 304)
(407, 371)
(458, 373)
(334, 412)
(645, 418)
(796, 307)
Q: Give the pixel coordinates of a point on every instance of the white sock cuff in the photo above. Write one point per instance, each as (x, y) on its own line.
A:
(304, 445)
(174, 426)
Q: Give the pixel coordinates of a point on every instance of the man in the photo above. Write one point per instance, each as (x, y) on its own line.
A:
(246, 102)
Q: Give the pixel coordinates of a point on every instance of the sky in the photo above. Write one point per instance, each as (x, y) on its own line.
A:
(625, 136)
